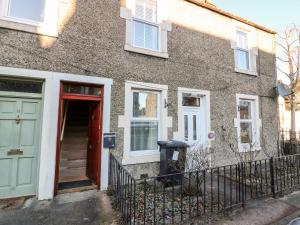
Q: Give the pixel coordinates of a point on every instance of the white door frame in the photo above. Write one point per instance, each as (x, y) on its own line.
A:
(204, 113)
(49, 122)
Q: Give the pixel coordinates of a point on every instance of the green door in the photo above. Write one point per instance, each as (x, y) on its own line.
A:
(19, 146)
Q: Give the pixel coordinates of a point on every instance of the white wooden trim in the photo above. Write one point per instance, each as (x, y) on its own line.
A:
(164, 27)
(257, 122)
(145, 51)
(130, 157)
(248, 72)
(50, 119)
(252, 46)
(205, 113)
(48, 27)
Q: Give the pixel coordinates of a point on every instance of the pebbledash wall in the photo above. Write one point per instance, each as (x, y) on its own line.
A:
(200, 56)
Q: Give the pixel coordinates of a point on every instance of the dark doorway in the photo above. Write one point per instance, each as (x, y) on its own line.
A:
(79, 137)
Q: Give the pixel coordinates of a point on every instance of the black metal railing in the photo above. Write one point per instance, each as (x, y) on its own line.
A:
(175, 198)
(286, 173)
(122, 187)
(289, 142)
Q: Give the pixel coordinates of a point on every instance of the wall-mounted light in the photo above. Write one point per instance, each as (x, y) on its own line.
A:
(167, 104)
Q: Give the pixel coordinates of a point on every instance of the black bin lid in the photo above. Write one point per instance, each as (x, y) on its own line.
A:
(172, 144)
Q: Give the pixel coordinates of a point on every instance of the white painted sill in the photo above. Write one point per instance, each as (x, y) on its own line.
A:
(133, 158)
(14, 25)
(247, 72)
(255, 149)
(143, 51)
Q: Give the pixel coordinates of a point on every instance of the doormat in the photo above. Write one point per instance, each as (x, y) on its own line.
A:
(74, 184)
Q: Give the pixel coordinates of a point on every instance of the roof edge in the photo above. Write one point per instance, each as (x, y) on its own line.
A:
(232, 16)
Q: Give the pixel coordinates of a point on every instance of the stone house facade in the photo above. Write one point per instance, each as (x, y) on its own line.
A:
(158, 70)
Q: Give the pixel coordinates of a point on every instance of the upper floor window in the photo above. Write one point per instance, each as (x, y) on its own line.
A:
(245, 48)
(33, 10)
(145, 27)
(28, 12)
(34, 16)
(242, 51)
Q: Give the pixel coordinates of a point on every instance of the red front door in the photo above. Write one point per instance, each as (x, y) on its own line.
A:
(94, 95)
(93, 142)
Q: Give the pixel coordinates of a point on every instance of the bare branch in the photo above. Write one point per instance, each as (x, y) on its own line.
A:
(281, 45)
(282, 60)
(282, 71)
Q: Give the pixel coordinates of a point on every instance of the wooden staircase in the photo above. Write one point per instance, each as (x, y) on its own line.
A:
(73, 155)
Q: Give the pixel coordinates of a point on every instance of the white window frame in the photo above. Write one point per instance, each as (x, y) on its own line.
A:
(158, 34)
(147, 119)
(252, 47)
(255, 119)
(48, 27)
(124, 121)
(126, 12)
(153, 23)
(247, 50)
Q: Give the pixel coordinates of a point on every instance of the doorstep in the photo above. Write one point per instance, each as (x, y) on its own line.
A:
(77, 189)
(12, 203)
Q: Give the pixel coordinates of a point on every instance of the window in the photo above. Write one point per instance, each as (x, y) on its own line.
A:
(81, 90)
(242, 51)
(145, 121)
(145, 27)
(33, 10)
(245, 48)
(192, 101)
(248, 123)
(34, 16)
(21, 86)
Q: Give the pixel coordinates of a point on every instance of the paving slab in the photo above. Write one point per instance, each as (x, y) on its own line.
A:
(84, 208)
(293, 199)
(260, 212)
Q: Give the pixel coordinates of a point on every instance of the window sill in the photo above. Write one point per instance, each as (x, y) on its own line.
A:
(246, 149)
(141, 157)
(15, 25)
(146, 52)
(247, 72)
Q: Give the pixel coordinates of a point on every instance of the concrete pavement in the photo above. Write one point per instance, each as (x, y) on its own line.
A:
(281, 211)
(82, 208)
(94, 208)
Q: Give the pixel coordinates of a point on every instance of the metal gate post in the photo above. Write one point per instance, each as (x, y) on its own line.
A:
(243, 183)
(272, 177)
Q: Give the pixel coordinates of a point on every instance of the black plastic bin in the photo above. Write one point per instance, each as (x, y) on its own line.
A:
(172, 161)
